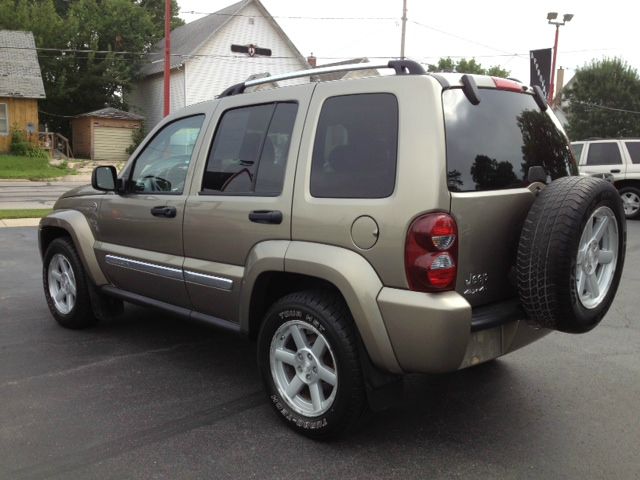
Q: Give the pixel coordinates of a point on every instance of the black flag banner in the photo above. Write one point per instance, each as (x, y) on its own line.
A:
(540, 64)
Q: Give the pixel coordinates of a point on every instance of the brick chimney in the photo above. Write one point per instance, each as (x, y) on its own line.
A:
(311, 60)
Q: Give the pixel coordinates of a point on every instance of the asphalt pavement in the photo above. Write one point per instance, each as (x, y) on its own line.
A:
(150, 396)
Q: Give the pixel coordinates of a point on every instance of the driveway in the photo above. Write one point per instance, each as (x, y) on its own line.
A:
(150, 396)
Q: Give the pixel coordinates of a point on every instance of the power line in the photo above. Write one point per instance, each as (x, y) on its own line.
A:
(444, 32)
(603, 107)
(288, 17)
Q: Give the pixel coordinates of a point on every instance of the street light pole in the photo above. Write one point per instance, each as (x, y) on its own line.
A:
(551, 17)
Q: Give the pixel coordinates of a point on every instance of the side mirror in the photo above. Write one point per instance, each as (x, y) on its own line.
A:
(104, 178)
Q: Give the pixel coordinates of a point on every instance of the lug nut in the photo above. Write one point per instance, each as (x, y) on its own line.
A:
(315, 369)
(309, 356)
(308, 376)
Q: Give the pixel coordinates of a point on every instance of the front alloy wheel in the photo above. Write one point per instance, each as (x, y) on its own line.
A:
(62, 283)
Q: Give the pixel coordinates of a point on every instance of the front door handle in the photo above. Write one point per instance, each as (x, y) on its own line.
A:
(615, 170)
(266, 216)
(163, 211)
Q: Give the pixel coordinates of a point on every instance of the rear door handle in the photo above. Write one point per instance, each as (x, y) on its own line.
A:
(163, 211)
(615, 170)
(266, 216)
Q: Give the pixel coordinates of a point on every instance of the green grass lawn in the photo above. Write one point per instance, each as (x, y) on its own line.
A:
(24, 213)
(12, 166)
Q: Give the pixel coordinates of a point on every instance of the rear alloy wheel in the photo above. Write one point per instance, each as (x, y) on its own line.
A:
(308, 358)
(631, 202)
(304, 371)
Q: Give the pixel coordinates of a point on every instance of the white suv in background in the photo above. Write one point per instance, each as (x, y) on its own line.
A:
(618, 157)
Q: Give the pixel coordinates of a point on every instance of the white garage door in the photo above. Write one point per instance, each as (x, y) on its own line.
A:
(110, 143)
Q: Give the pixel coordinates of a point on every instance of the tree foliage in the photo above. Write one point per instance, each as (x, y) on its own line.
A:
(467, 66)
(598, 89)
(89, 50)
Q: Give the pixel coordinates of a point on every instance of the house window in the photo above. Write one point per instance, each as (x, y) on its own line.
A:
(4, 119)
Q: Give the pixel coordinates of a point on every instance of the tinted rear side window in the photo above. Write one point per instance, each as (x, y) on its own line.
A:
(634, 151)
(604, 153)
(355, 149)
(250, 150)
(491, 146)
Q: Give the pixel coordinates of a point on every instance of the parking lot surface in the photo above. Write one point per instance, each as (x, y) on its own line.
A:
(150, 396)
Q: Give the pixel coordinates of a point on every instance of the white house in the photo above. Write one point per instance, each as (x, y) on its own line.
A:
(212, 53)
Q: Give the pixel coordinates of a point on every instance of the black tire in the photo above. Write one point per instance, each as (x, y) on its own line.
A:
(327, 313)
(632, 192)
(548, 251)
(80, 315)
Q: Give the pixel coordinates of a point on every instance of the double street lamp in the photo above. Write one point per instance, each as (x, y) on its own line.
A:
(551, 17)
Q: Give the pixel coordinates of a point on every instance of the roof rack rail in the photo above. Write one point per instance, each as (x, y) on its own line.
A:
(401, 67)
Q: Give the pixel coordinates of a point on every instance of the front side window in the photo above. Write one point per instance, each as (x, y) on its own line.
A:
(634, 151)
(250, 150)
(604, 153)
(162, 166)
(4, 119)
(355, 149)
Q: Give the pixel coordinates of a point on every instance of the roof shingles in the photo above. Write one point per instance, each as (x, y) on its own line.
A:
(19, 68)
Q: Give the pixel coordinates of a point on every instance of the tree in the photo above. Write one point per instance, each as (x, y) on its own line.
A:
(155, 8)
(597, 97)
(467, 66)
(89, 54)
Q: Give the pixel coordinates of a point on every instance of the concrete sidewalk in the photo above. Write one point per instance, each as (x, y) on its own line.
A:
(19, 222)
(22, 194)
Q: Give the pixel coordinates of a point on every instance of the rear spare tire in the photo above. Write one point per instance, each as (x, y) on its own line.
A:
(571, 254)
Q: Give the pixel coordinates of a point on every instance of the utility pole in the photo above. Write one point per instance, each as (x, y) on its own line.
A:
(404, 28)
(167, 57)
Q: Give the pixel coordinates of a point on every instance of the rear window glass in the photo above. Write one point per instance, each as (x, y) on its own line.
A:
(491, 146)
(355, 149)
(634, 151)
(604, 153)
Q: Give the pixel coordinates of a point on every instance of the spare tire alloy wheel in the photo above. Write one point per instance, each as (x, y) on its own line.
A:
(597, 257)
(571, 254)
(304, 372)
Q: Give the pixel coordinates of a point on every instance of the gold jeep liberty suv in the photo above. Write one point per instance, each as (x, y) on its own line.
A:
(356, 229)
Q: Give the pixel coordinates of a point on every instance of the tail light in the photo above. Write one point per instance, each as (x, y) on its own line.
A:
(431, 253)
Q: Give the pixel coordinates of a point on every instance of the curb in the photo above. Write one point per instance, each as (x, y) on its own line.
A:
(19, 222)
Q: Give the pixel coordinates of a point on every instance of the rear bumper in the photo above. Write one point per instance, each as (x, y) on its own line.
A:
(441, 332)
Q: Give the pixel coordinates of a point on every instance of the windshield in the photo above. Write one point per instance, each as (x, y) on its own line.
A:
(491, 146)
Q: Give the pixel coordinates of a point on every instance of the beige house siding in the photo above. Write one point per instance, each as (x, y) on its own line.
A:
(20, 113)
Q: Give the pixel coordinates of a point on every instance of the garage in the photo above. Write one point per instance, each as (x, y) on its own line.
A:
(104, 134)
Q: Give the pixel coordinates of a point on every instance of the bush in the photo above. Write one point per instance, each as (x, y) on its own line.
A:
(20, 145)
(138, 136)
(19, 142)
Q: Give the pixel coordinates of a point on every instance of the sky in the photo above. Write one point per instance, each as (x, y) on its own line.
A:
(495, 33)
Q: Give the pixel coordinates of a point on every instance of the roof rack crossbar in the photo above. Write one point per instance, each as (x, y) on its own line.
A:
(401, 67)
